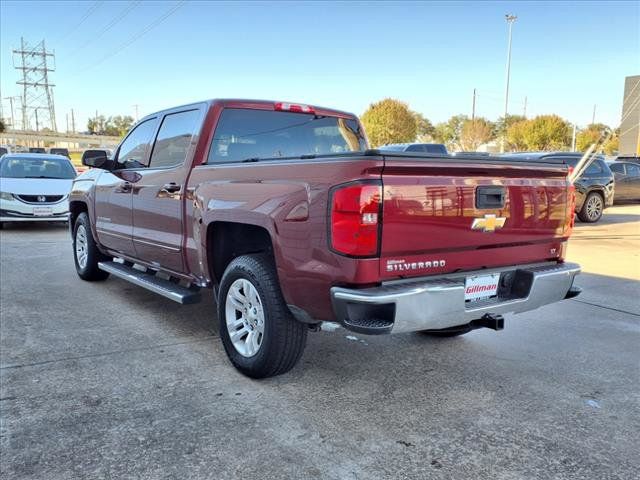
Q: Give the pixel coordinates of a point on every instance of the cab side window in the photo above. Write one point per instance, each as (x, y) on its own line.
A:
(133, 152)
(633, 170)
(594, 169)
(174, 139)
(617, 168)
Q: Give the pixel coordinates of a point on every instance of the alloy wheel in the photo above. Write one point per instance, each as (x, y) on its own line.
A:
(244, 317)
(594, 207)
(81, 246)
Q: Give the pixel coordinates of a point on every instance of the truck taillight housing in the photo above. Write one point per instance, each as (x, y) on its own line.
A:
(355, 219)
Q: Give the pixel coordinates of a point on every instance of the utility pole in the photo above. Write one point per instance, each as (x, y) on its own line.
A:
(573, 140)
(73, 122)
(473, 106)
(525, 107)
(67, 117)
(593, 116)
(136, 109)
(35, 64)
(510, 19)
(13, 120)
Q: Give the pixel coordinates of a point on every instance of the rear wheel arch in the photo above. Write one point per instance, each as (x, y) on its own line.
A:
(229, 240)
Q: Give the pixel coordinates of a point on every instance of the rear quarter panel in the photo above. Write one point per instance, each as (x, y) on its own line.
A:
(275, 195)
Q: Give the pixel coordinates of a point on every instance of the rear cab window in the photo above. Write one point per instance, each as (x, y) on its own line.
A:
(245, 134)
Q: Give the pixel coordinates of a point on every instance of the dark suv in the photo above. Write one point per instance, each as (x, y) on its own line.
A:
(594, 188)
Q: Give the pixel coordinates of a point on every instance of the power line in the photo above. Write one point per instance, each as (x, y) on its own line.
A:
(135, 37)
(117, 19)
(92, 8)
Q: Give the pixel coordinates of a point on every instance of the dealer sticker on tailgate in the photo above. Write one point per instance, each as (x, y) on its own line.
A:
(481, 286)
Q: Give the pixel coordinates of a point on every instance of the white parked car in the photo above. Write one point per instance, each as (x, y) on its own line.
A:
(35, 187)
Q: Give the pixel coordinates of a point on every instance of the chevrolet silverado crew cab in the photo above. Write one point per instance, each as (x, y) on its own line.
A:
(287, 215)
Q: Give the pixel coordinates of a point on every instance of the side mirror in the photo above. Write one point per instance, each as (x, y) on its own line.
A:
(94, 158)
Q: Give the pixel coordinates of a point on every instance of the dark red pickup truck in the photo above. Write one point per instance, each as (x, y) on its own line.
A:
(284, 211)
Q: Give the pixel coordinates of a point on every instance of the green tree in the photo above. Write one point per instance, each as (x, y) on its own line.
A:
(449, 132)
(475, 133)
(612, 146)
(119, 125)
(590, 135)
(389, 121)
(96, 125)
(114, 126)
(545, 132)
(425, 130)
(516, 136)
(2, 126)
(501, 126)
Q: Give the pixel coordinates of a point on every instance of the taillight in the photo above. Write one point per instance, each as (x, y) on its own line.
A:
(293, 107)
(355, 217)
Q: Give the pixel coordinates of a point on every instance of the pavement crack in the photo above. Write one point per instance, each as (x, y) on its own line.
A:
(607, 308)
(104, 354)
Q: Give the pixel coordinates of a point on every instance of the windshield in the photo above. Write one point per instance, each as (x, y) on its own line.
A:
(244, 134)
(21, 167)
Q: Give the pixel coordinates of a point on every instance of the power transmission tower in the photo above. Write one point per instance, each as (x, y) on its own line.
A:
(35, 63)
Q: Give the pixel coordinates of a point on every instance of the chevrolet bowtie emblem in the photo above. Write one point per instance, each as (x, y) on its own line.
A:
(489, 223)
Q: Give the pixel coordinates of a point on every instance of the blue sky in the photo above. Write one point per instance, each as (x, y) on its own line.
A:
(566, 56)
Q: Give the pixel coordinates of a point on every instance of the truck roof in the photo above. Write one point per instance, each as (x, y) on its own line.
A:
(255, 104)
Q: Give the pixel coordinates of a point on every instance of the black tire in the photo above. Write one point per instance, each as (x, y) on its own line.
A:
(89, 270)
(283, 338)
(592, 208)
(447, 332)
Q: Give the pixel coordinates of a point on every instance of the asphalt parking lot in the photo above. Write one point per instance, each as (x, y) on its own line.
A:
(106, 380)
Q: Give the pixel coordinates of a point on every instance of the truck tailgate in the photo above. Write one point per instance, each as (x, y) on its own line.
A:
(444, 215)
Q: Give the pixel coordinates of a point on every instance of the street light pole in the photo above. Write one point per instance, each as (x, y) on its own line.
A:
(510, 19)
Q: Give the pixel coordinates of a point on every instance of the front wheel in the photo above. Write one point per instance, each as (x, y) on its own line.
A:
(85, 251)
(259, 333)
(592, 208)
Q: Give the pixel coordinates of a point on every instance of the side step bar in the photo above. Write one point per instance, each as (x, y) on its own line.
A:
(151, 282)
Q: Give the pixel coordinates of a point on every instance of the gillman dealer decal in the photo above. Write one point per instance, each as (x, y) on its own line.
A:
(404, 266)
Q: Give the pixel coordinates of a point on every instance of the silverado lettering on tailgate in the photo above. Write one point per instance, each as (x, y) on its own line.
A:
(402, 265)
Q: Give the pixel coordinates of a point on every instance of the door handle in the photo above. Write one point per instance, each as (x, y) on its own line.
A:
(125, 187)
(171, 187)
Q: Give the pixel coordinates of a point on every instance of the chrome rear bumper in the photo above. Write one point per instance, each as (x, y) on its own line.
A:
(430, 304)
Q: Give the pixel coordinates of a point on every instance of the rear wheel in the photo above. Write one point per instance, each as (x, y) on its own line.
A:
(85, 252)
(592, 208)
(259, 334)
